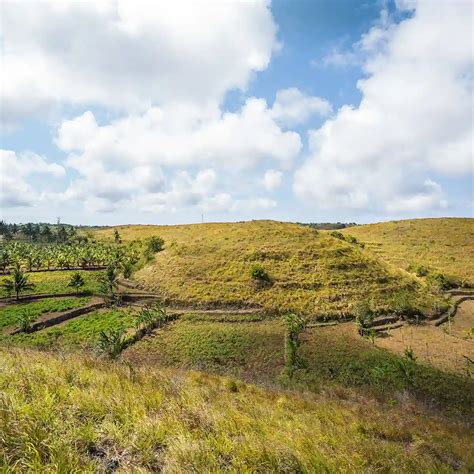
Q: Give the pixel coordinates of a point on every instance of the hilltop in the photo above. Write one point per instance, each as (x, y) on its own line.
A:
(311, 272)
(444, 245)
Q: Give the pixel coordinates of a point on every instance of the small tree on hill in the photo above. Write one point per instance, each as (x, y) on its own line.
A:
(25, 321)
(117, 237)
(18, 283)
(294, 326)
(108, 284)
(76, 281)
(112, 342)
(364, 316)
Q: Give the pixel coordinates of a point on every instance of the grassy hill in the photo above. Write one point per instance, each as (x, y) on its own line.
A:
(311, 272)
(71, 414)
(444, 245)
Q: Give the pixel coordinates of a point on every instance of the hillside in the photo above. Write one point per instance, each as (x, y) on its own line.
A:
(311, 272)
(71, 414)
(445, 245)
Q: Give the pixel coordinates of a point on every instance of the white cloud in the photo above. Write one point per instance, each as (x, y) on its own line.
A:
(129, 54)
(414, 119)
(272, 180)
(292, 107)
(15, 188)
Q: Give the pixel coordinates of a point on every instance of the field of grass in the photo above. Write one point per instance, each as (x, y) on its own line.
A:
(71, 414)
(79, 333)
(312, 272)
(55, 282)
(333, 355)
(9, 314)
(445, 245)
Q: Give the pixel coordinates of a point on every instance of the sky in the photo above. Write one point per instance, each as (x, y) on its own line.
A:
(176, 112)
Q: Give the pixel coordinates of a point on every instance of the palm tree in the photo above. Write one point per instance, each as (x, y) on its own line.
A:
(108, 283)
(18, 283)
(76, 281)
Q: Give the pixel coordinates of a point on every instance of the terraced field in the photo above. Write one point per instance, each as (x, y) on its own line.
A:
(445, 245)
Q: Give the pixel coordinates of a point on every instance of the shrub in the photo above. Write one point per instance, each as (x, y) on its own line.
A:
(337, 235)
(442, 281)
(258, 273)
(26, 320)
(294, 325)
(112, 343)
(76, 281)
(418, 270)
(404, 304)
(108, 284)
(155, 244)
(364, 316)
(150, 317)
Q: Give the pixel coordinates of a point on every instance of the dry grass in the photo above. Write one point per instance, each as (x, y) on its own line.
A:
(445, 245)
(311, 272)
(80, 415)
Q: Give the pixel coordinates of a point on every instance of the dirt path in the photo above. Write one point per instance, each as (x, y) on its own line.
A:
(443, 346)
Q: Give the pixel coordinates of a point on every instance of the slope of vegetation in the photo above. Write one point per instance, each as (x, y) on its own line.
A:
(71, 414)
(335, 355)
(9, 314)
(445, 245)
(81, 333)
(274, 265)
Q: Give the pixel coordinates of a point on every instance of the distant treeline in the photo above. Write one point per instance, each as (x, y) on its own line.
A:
(327, 225)
(41, 232)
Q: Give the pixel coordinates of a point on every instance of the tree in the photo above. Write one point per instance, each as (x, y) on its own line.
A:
(117, 237)
(108, 283)
(26, 320)
(294, 325)
(18, 283)
(364, 316)
(76, 281)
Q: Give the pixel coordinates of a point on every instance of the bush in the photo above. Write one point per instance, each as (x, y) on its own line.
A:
(25, 321)
(294, 326)
(442, 281)
(404, 305)
(155, 244)
(259, 274)
(364, 316)
(337, 235)
(418, 270)
(112, 343)
(76, 281)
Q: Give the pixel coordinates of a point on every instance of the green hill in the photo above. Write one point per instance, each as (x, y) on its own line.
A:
(311, 272)
(445, 245)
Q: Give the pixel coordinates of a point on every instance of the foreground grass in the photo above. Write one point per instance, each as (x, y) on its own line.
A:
(55, 282)
(9, 314)
(445, 245)
(312, 273)
(72, 414)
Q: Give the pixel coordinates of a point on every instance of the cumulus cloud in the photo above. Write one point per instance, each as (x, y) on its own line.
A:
(129, 55)
(414, 118)
(292, 107)
(15, 189)
(272, 180)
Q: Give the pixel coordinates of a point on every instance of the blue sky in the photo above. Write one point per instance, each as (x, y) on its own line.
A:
(322, 110)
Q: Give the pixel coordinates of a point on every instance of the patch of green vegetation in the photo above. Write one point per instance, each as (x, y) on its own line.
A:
(9, 314)
(251, 350)
(56, 282)
(79, 333)
(444, 245)
(312, 272)
(71, 414)
(332, 355)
